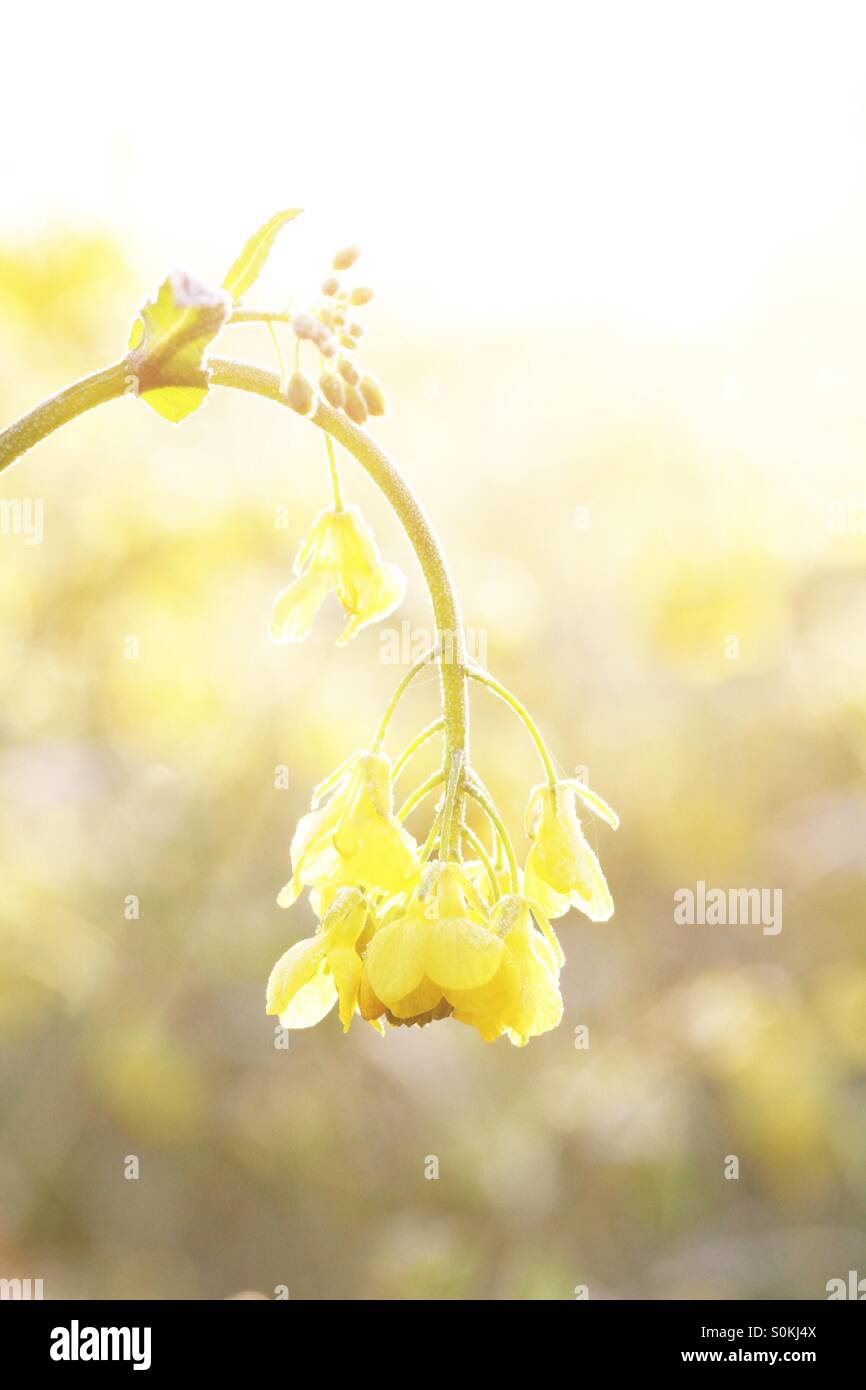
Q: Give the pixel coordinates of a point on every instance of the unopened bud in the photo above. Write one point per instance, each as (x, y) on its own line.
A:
(299, 393)
(348, 371)
(331, 285)
(361, 295)
(304, 326)
(346, 258)
(355, 405)
(347, 342)
(333, 390)
(357, 330)
(374, 396)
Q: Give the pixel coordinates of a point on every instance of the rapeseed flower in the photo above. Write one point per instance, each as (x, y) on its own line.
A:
(309, 979)
(354, 839)
(522, 999)
(562, 870)
(339, 555)
(441, 942)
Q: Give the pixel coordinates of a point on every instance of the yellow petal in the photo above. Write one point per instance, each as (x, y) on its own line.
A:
(345, 966)
(296, 607)
(487, 1006)
(591, 894)
(294, 969)
(538, 890)
(313, 1002)
(461, 954)
(539, 1005)
(371, 600)
(395, 959)
(549, 935)
(290, 893)
(369, 1003)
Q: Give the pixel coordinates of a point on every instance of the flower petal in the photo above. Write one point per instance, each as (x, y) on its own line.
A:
(395, 959)
(370, 600)
(296, 607)
(294, 969)
(461, 954)
(313, 1002)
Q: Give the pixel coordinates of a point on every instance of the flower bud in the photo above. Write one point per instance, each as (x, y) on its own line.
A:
(299, 393)
(304, 326)
(355, 405)
(348, 371)
(361, 295)
(374, 396)
(346, 258)
(331, 285)
(357, 330)
(332, 389)
(347, 342)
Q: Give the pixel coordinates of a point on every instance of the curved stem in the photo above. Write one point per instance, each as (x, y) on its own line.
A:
(405, 681)
(433, 781)
(480, 795)
(483, 678)
(478, 846)
(417, 742)
(432, 836)
(413, 518)
(107, 385)
(336, 488)
(118, 380)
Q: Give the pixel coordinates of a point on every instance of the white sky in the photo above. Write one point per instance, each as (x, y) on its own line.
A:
(655, 162)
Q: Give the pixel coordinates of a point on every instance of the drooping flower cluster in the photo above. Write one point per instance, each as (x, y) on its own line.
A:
(406, 935)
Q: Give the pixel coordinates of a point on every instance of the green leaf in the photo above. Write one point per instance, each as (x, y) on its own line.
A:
(251, 262)
(168, 341)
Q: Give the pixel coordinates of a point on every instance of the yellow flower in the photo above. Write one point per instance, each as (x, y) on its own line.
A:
(561, 869)
(442, 942)
(339, 555)
(354, 839)
(312, 975)
(522, 999)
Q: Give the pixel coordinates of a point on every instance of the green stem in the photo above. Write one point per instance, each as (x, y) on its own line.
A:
(107, 385)
(260, 316)
(433, 781)
(336, 489)
(118, 380)
(417, 742)
(480, 795)
(405, 681)
(443, 596)
(477, 845)
(483, 678)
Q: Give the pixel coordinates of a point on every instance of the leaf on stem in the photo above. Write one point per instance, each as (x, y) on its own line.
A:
(168, 341)
(251, 262)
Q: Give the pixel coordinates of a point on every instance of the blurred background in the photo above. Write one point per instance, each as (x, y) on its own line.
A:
(618, 257)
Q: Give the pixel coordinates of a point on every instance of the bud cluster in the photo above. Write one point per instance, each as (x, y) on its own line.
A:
(333, 329)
